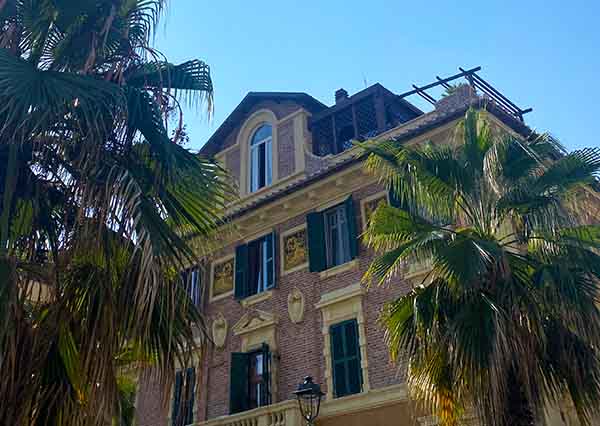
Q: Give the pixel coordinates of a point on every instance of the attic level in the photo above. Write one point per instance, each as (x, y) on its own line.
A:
(357, 117)
(272, 139)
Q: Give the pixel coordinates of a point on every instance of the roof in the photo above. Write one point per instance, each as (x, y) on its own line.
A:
(406, 131)
(213, 145)
(375, 88)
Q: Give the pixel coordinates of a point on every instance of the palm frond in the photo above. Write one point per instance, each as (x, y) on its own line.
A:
(512, 290)
(191, 79)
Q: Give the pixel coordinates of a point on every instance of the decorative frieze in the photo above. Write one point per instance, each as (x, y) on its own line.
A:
(294, 250)
(222, 278)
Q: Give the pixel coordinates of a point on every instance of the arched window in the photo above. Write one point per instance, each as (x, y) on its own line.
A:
(261, 158)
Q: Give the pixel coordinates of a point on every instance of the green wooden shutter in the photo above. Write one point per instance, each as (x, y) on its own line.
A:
(270, 247)
(317, 257)
(351, 220)
(190, 394)
(176, 398)
(238, 383)
(353, 353)
(266, 376)
(345, 356)
(241, 271)
(338, 366)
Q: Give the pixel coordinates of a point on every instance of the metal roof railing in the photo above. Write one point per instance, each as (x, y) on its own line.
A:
(477, 83)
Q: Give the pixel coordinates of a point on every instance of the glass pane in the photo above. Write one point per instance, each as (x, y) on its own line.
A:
(269, 163)
(195, 287)
(269, 261)
(254, 168)
(262, 167)
(344, 236)
(332, 239)
(254, 380)
(264, 132)
(259, 364)
(354, 372)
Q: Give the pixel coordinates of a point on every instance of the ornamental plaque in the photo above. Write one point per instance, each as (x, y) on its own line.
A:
(296, 305)
(219, 330)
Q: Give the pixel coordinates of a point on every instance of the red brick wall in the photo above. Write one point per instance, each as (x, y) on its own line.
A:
(300, 345)
(285, 149)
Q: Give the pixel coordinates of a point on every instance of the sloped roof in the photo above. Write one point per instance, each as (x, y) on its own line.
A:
(375, 88)
(213, 145)
(406, 131)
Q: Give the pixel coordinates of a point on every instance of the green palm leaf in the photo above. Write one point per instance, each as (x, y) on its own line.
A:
(512, 292)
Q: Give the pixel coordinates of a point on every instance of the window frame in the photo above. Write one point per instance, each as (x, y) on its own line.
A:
(337, 249)
(318, 247)
(184, 398)
(260, 155)
(266, 273)
(193, 287)
(263, 395)
(346, 360)
(336, 306)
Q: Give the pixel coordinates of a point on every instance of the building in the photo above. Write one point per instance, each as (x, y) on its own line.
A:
(283, 296)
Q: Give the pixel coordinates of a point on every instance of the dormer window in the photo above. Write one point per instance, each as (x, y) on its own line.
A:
(261, 157)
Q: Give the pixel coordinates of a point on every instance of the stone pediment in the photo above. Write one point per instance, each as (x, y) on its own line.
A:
(254, 320)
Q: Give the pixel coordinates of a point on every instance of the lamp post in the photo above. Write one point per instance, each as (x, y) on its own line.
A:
(309, 400)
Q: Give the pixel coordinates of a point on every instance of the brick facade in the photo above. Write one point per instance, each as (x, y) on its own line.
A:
(300, 346)
(285, 149)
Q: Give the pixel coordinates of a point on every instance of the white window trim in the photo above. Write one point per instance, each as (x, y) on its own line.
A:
(265, 293)
(268, 144)
(262, 116)
(341, 228)
(254, 328)
(195, 360)
(337, 306)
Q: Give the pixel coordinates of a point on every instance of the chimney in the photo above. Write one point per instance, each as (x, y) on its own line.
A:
(340, 95)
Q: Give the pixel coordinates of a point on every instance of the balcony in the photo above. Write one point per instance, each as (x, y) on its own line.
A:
(285, 413)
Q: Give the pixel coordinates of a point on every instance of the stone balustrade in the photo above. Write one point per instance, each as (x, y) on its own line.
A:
(284, 413)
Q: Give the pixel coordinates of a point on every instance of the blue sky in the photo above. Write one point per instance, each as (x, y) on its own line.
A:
(541, 54)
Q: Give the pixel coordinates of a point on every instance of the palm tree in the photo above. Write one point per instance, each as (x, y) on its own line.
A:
(98, 207)
(506, 320)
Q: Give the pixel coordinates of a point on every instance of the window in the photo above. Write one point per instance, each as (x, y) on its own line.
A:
(345, 359)
(191, 282)
(337, 240)
(250, 380)
(255, 267)
(261, 159)
(184, 398)
(332, 236)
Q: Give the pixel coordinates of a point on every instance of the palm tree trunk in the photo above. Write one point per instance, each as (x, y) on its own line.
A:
(519, 411)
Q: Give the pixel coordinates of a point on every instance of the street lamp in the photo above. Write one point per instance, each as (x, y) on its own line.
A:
(309, 399)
